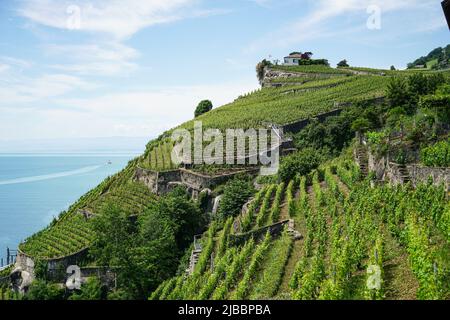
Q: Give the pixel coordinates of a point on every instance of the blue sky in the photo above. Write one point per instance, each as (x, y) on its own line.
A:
(105, 68)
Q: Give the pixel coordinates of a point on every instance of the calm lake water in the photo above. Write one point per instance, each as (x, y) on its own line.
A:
(36, 188)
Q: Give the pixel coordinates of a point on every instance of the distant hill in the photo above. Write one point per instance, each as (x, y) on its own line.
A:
(438, 59)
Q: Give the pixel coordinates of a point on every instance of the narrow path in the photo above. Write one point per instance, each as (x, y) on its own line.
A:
(296, 254)
(342, 186)
(400, 282)
(284, 213)
(297, 250)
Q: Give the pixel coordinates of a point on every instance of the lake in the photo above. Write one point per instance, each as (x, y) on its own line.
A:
(35, 188)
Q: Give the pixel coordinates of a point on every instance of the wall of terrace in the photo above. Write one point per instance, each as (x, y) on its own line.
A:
(297, 126)
(394, 173)
(275, 230)
(164, 182)
(271, 76)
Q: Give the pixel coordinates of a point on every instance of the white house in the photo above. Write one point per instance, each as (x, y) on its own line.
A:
(292, 60)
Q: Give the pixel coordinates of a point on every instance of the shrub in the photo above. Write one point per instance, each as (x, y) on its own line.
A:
(311, 62)
(300, 163)
(437, 155)
(343, 64)
(375, 138)
(41, 290)
(203, 107)
(236, 194)
(439, 104)
(398, 93)
(260, 69)
(91, 290)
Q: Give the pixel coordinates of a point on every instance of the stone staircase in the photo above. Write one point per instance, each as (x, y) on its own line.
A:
(404, 174)
(363, 160)
(195, 254)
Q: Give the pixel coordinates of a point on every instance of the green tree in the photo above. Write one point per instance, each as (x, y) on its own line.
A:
(236, 193)
(146, 253)
(361, 125)
(300, 163)
(91, 290)
(260, 69)
(41, 290)
(343, 64)
(203, 107)
(398, 92)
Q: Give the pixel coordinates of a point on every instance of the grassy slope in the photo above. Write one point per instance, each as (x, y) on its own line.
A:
(254, 110)
(273, 276)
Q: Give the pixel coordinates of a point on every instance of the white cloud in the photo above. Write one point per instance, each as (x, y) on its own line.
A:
(99, 59)
(28, 90)
(137, 113)
(262, 3)
(4, 68)
(14, 62)
(118, 18)
(315, 24)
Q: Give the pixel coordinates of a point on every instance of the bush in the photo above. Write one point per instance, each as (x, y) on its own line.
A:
(439, 104)
(311, 62)
(41, 290)
(375, 138)
(91, 290)
(300, 163)
(360, 124)
(398, 93)
(236, 193)
(437, 155)
(260, 69)
(343, 64)
(203, 107)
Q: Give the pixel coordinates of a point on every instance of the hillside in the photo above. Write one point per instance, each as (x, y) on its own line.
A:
(273, 105)
(437, 59)
(329, 215)
(346, 225)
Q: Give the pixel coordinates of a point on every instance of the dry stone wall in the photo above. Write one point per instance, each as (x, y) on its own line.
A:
(164, 182)
(390, 172)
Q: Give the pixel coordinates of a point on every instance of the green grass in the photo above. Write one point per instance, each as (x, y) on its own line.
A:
(158, 158)
(344, 228)
(432, 63)
(65, 237)
(273, 105)
(71, 232)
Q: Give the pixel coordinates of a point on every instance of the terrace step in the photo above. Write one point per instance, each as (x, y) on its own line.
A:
(404, 174)
(363, 160)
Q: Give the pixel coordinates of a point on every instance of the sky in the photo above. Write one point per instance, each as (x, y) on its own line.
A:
(135, 68)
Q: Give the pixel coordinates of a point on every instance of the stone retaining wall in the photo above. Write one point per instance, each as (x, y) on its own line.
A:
(106, 275)
(422, 174)
(275, 230)
(298, 126)
(27, 263)
(386, 170)
(163, 182)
